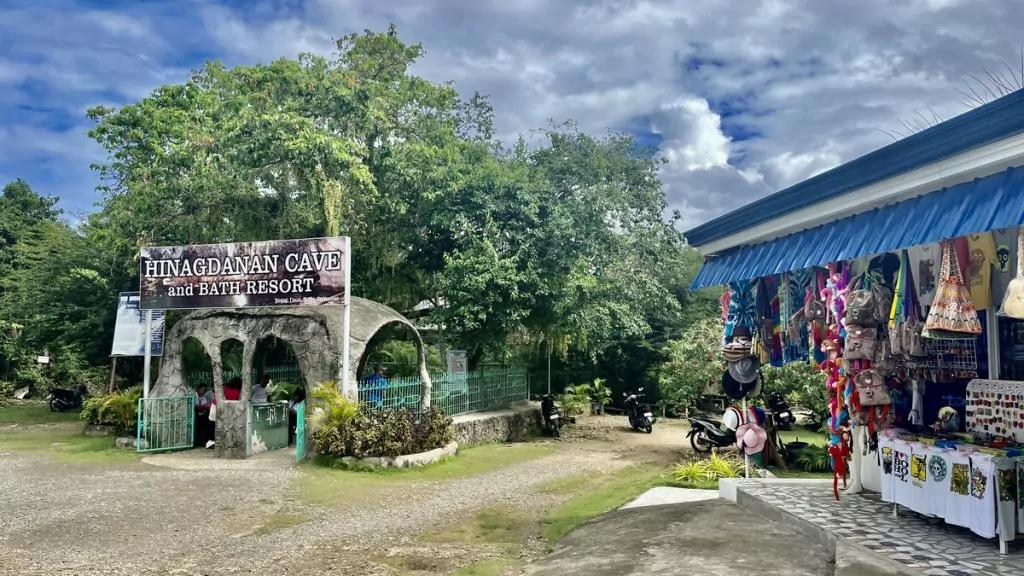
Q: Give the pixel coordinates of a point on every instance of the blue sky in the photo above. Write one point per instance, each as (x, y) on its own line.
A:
(742, 97)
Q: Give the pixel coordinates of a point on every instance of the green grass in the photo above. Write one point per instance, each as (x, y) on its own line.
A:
(279, 521)
(493, 526)
(68, 447)
(803, 435)
(322, 485)
(596, 495)
(27, 413)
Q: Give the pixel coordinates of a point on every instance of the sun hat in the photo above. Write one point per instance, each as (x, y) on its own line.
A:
(745, 370)
(737, 390)
(751, 438)
(731, 418)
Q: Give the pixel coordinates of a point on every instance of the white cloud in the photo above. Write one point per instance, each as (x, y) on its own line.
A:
(745, 104)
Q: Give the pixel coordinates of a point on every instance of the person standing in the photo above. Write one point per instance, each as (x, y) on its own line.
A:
(375, 385)
(260, 391)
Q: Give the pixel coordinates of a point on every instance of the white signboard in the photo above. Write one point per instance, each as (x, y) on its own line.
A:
(130, 329)
(457, 363)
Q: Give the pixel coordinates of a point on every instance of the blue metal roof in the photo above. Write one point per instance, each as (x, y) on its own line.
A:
(984, 204)
(992, 122)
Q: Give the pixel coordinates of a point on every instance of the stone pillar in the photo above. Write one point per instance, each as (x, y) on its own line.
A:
(231, 439)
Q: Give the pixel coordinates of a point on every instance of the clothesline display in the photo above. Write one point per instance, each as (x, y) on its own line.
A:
(965, 485)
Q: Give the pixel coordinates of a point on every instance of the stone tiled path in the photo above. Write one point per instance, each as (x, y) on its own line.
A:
(922, 545)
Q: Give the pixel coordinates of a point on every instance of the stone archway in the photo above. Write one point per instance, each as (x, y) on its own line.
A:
(315, 335)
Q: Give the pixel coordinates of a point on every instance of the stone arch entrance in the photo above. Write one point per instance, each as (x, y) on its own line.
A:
(315, 335)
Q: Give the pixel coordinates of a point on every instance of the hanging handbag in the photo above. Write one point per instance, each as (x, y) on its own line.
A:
(871, 389)
(1013, 299)
(860, 307)
(814, 310)
(860, 343)
(952, 310)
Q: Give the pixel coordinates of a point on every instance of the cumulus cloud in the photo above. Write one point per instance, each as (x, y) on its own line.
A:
(744, 98)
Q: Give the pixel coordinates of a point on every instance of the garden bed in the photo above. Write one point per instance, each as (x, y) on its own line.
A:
(407, 461)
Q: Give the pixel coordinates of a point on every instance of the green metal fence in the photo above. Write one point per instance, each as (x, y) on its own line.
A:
(300, 431)
(165, 423)
(269, 429)
(461, 394)
(281, 373)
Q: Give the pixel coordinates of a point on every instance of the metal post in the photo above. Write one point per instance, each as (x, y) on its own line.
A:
(549, 367)
(148, 355)
(746, 458)
(346, 321)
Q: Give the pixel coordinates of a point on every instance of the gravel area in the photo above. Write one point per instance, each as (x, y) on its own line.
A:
(195, 515)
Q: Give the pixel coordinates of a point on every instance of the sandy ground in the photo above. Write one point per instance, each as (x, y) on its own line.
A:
(195, 515)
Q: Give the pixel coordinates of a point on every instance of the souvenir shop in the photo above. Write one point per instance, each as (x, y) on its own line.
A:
(911, 303)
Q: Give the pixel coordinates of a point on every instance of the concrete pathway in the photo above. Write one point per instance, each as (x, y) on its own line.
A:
(698, 536)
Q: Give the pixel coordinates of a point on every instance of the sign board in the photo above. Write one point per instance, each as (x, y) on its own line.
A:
(307, 272)
(42, 359)
(130, 328)
(457, 363)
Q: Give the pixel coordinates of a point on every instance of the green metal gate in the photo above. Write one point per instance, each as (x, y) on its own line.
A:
(166, 423)
(300, 431)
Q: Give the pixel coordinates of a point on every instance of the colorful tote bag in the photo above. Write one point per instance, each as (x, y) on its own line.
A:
(952, 310)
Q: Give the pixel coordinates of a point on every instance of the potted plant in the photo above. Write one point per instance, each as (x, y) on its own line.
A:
(600, 395)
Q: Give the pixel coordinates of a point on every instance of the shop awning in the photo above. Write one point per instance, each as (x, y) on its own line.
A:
(984, 204)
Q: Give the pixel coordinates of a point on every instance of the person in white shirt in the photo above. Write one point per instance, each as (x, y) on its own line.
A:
(260, 390)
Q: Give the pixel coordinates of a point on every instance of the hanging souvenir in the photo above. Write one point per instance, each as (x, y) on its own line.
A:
(952, 310)
(1013, 299)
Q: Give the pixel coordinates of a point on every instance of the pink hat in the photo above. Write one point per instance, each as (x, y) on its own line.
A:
(750, 438)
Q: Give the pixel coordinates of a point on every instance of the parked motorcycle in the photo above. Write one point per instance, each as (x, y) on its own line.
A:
(551, 416)
(638, 413)
(707, 434)
(64, 400)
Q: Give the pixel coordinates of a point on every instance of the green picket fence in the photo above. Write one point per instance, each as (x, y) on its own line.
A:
(462, 394)
(282, 373)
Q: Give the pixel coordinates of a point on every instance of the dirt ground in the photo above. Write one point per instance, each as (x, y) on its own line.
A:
(190, 514)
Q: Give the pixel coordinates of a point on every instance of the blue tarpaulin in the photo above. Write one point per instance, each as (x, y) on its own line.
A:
(984, 204)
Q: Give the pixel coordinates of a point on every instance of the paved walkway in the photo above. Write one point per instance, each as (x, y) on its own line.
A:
(920, 545)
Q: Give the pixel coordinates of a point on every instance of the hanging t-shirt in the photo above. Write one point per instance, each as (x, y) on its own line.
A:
(959, 503)
(901, 491)
(936, 490)
(918, 501)
(963, 256)
(1004, 268)
(885, 463)
(924, 264)
(983, 514)
(1020, 491)
(1006, 498)
(979, 269)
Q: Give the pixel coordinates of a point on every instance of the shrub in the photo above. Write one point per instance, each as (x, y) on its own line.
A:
(120, 409)
(600, 393)
(814, 459)
(575, 400)
(709, 469)
(331, 408)
(390, 433)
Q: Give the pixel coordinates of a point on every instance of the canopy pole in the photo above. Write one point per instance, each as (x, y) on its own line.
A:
(148, 354)
(346, 322)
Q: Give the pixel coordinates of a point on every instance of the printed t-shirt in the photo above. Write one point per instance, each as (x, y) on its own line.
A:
(936, 490)
(979, 269)
(983, 514)
(918, 501)
(1020, 491)
(901, 490)
(959, 503)
(924, 263)
(963, 257)
(1004, 268)
(1006, 498)
(885, 266)
(885, 463)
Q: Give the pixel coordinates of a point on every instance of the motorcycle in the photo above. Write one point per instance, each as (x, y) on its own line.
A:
(638, 413)
(707, 434)
(551, 416)
(64, 400)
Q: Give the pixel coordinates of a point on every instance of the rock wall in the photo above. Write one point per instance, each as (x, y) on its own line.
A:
(496, 427)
